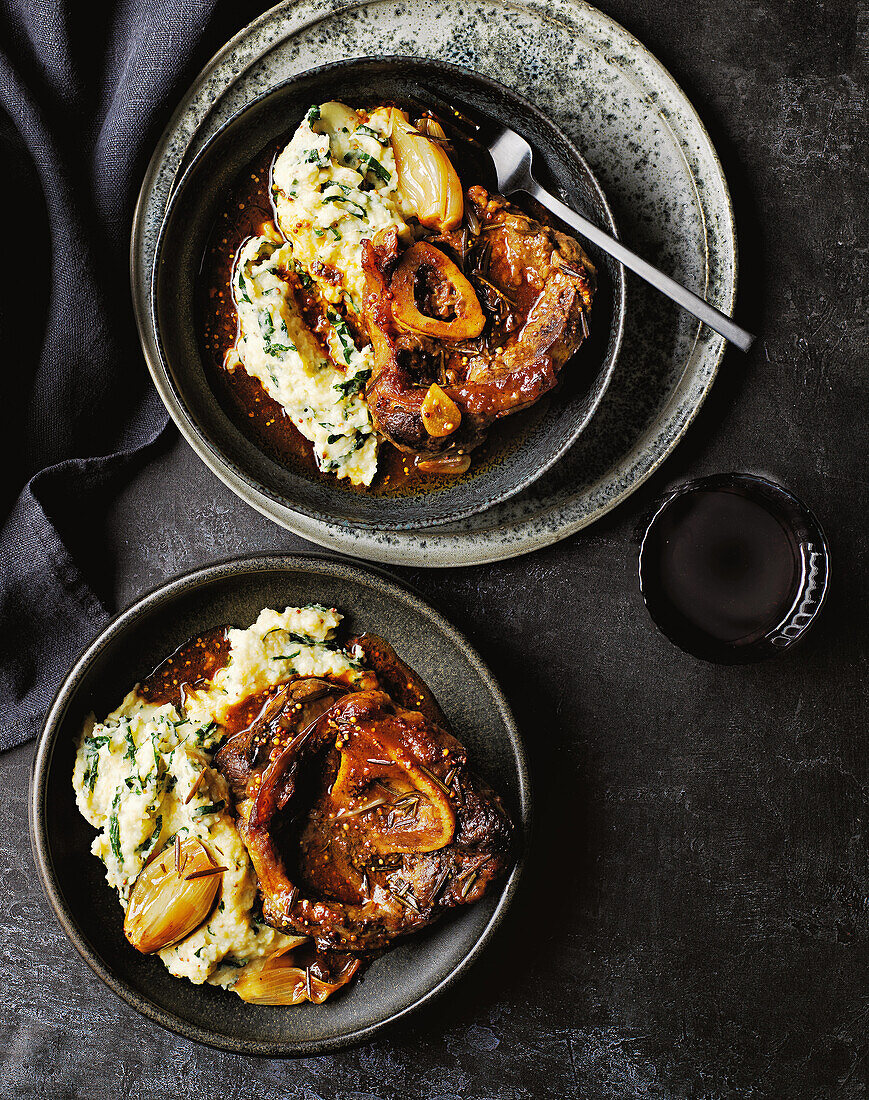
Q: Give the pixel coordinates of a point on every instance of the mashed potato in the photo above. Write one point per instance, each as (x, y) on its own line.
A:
(276, 347)
(135, 771)
(334, 185)
(279, 644)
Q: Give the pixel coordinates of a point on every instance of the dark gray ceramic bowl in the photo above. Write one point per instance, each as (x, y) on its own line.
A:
(74, 881)
(546, 432)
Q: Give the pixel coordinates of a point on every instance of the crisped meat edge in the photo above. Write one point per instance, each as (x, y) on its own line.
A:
(350, 901)
(537, 286)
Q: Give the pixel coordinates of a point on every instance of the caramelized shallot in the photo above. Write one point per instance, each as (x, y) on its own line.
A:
(440, 414)
(281, 981)
(427, 180)
(430, 126)
(172, 896)
(447, 465)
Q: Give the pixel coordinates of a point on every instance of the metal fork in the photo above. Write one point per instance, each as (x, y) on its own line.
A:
(512, 157)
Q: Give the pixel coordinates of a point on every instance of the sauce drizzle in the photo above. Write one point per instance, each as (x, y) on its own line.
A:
(192, 665)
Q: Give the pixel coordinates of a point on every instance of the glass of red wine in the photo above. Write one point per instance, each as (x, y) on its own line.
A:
(734, 567)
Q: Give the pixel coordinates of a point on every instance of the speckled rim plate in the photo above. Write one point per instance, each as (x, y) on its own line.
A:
(416, 970)
(179, 251)
(656, 164)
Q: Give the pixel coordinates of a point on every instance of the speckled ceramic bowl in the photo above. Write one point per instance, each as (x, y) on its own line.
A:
(546, 432)
(401, 980)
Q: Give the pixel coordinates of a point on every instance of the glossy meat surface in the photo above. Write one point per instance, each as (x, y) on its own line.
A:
(361, 816)
(536, 287)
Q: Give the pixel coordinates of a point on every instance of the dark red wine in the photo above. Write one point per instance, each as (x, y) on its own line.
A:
(725, 567)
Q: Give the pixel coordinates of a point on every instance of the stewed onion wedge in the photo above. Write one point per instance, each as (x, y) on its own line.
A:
(446, 465)
(281, 981)
(430, 126)
(172, 896)
(427, 180)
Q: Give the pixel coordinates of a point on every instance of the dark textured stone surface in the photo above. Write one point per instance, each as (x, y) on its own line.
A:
(695, 919)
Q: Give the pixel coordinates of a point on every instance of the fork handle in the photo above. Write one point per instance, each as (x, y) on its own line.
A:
(689, 301)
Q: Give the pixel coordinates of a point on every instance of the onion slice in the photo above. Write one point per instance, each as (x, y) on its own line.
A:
(427, 180)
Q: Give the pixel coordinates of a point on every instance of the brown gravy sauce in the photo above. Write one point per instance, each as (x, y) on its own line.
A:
(192, 665)
(259, 417)
(242, 714)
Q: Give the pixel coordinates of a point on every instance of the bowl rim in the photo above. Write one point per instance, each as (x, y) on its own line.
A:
(162, 596)
(231, 473)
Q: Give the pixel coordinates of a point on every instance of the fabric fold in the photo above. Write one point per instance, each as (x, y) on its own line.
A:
(83, 94)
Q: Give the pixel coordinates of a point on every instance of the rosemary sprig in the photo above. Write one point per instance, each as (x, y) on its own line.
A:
(204, 873)
(197, 784)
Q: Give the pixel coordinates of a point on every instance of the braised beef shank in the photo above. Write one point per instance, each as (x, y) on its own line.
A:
(361, 817)
(535, 286)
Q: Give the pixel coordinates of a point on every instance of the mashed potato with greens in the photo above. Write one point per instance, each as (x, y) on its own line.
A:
(277, 348)
(334, 185)
(144, 775)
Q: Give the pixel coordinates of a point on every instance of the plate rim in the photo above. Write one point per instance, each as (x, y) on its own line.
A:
(163, 594)
(229, 472)
(447, 549)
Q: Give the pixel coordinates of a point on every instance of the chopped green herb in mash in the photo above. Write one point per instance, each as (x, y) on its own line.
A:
(144, 776)
(277, 348)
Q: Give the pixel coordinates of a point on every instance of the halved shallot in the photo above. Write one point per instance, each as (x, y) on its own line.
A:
(427, 180)
(172, 896)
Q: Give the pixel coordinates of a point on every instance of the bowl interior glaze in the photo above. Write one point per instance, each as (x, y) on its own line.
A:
(544, 433)
(74, 880)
